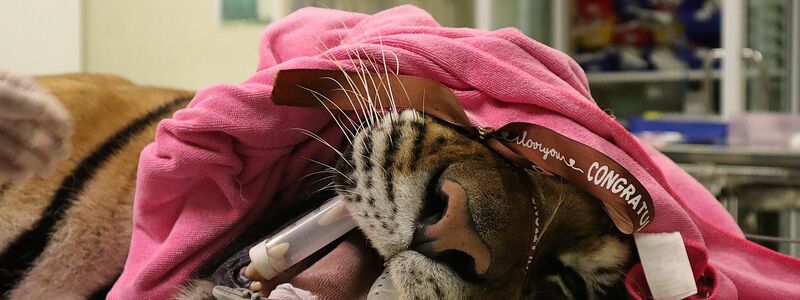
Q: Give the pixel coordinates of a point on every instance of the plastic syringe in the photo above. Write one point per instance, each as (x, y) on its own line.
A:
(301, 239)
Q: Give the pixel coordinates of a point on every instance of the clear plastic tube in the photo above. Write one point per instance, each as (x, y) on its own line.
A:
(301, 239)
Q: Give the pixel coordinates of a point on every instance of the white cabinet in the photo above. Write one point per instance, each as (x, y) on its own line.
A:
(41, 36)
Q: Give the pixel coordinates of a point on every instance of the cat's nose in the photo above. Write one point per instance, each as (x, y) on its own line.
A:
(445, 231)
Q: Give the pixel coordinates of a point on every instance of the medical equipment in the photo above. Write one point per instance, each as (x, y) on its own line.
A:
(307, 236)
(302, 238)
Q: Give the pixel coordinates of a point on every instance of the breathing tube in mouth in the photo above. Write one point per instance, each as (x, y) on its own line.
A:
(301, 239)
(305, 237)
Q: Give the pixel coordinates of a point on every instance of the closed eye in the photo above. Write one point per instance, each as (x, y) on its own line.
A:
(572, 284)
(434, 205)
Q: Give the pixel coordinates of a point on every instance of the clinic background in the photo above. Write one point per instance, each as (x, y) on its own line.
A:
(715, 84)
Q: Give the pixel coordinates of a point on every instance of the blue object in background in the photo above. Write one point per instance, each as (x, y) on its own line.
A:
(692, 59)
(628, 10)
(694, 132)
(703, 22)
(599, 61)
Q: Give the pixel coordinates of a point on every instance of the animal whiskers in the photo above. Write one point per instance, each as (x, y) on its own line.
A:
(363, 92)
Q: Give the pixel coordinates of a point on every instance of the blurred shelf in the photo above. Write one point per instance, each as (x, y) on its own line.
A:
(661, 76)
(717, 167)
(716, 177)
(733, 155)
(647, 76)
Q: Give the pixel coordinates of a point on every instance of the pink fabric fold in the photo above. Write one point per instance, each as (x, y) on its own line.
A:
(231, 153)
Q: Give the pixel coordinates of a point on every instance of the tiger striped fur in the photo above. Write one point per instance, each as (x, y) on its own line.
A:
(68, 234)
(392, 177)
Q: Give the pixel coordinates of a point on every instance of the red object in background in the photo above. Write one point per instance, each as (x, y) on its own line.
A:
(589, 10)
(596, 19)
(632, 34)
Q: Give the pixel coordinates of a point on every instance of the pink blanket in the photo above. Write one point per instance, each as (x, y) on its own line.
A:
(219, 163)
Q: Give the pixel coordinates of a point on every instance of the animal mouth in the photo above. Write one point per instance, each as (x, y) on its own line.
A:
(459, 262)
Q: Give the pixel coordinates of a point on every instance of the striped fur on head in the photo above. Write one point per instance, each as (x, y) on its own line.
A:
(67, 236)
(392, 177)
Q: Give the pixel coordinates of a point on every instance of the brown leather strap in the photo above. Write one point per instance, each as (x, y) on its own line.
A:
(512, 156)
(624, 198)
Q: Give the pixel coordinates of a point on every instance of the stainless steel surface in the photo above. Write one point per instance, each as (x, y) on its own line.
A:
(729, 155)
(716, 177)
(760, 188)
(791, 229)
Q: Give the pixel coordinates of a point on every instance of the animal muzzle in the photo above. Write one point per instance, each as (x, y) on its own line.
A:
(445, 232)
